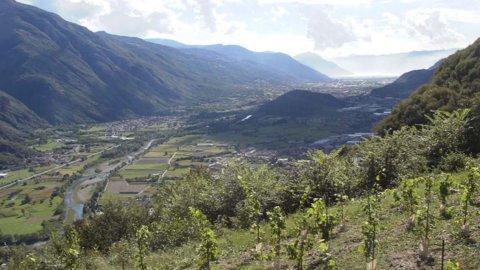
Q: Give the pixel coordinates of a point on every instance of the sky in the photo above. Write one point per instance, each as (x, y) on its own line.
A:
(331, 28)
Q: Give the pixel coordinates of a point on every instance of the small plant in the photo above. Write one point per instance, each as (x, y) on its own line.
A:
(302, 244)
(320, 220)
(122, 253)
(341, 200)
(450, 265)
(278, 229)
(445, 190)
(252, 208)
(469, 189)
(369, 228)
(315, 220)
(30, 262)
(142, 236)
(326, 258)
(424, 221)
(208, 249)
(409, 197)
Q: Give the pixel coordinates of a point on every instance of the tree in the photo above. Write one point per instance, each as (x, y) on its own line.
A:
(444, 134)
(397, 155)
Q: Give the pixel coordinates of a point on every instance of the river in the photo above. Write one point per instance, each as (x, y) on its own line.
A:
(93, 177)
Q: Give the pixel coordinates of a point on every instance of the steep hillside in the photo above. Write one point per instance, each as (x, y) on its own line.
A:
(278, 63)
(321, 65)
(456, 84)
(299, 103)
(67, 74)
(407, 83)
(16, 119)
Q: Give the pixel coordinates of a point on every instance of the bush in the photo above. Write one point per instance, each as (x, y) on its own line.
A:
(453, 162)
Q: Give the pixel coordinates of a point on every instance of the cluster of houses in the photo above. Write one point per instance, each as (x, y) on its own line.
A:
(114, 130)
(333, 142)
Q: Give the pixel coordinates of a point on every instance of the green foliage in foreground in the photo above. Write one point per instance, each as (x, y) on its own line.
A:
(201, 220)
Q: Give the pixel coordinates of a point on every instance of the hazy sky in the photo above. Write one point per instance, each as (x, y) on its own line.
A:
(329, 27)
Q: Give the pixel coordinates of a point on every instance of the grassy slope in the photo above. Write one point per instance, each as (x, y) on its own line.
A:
(397, 247)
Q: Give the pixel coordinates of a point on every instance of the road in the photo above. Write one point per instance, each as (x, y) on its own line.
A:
(169, 162)
(20, 181)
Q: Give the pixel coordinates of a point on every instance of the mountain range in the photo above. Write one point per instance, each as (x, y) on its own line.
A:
(273, 61)
(56, 72)
(322, 65)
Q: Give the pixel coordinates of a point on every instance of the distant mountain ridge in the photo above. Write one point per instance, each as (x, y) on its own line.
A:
(391, 64)
(321, 65)
(65, 74)
(275, 61)
(407, 83)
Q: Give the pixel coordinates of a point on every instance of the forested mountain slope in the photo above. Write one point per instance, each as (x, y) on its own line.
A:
(301, 103)
(456, 84)
(407, 83)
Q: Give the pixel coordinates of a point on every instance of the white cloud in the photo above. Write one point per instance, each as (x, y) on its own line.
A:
(317, 2)
(278, 13)
(333, 28)
(433, 25)
(325, 31)
(206, 9)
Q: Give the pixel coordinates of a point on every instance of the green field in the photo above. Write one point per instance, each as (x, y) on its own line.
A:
(155, 167)
(52, 144)
(130, 174)
(17, 217)
(177, 172)
(16, 175)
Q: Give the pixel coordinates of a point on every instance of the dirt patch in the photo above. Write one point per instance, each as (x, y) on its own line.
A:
(152, 160)
(403, 260)
(92, 181)
(124, 187)
(85, 193)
